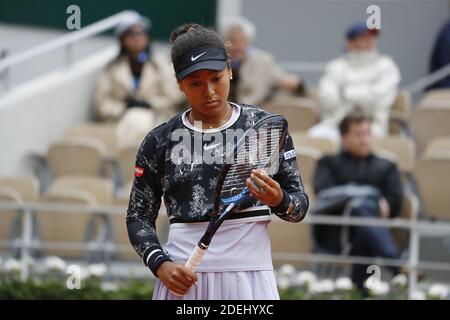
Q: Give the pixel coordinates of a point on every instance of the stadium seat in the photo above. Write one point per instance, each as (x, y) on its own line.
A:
(80, 228)
(300, 113)
(428, 123)
(27, 187)
(312, 93)
(310, 192)
(104, 133)
(433, 179)
(290, 238)
(436, 98)
(75, 156)
(127, 160)
(100, 189)
(439, 146)
(410, 210)
(400, 113)
(307, 160)
(120, 232)
(324, 145)
(403, 149)
(15, 189)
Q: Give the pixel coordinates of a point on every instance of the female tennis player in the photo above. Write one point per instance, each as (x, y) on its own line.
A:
(172, 163)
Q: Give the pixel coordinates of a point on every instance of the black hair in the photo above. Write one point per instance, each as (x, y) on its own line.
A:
(191, 36)
(354, 117)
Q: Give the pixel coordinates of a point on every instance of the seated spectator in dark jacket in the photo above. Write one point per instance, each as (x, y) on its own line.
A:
(441, 56)
(356, 165)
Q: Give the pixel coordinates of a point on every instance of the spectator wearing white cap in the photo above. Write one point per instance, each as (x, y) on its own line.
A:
(137, 89)
(362, 78)
(256, 76)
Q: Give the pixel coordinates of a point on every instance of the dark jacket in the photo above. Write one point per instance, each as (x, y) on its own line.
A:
(188, 187)
(441, 56)
(343, 169)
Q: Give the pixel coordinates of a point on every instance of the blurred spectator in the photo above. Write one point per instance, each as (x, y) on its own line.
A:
(358, 183)
(255, 73)
(138, 88)
(362, 77)
(441, 56)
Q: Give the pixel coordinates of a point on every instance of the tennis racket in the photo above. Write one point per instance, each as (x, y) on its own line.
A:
(258, 148)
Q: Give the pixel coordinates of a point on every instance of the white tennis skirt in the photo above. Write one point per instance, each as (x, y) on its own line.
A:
(237, 265)
(235, 285)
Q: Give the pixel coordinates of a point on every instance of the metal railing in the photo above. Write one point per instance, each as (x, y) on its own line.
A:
(428, 80)
(417, 228)
(65, 41)
(413, 88)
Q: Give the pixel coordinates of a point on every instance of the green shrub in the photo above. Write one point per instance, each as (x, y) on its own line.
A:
(51, 287)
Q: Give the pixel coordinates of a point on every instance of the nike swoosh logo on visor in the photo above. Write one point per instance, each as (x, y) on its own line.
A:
(196, 57)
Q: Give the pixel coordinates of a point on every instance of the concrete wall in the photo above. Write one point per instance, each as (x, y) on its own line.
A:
(36, 113)
(312, 30)
(16, 39)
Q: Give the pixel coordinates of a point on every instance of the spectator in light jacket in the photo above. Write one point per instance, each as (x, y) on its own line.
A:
(138, 89)
(256, 76)
(361, 78)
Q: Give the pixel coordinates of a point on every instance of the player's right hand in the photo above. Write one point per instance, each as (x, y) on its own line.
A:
(176, 277)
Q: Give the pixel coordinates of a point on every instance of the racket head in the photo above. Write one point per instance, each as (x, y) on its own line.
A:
(257, 148)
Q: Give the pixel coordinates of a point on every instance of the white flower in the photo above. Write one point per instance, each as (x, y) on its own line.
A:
(12, 265)
(287, 270)
(97, 270)
(377, 287)
(55, 263)
(438, 291)
(327, 285)
(344, 283)
(323, 286)
(109, 286)
(305, 278)
(283, 283)
(400, 280)
(418, 295)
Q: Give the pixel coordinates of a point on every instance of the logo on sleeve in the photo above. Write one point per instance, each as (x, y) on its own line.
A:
(138, 171)
(289, 154)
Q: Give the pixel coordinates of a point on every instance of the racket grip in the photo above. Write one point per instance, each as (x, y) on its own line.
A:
(195, 258)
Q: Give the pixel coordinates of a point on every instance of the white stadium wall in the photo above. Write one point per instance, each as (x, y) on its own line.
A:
(36, 113)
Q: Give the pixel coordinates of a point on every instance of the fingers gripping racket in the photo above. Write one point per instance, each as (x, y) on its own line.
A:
(258, 148)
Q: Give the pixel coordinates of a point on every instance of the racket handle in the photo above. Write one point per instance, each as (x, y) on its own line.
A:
(195, 258)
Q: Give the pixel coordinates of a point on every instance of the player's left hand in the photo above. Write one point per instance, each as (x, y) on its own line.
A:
(269, 191)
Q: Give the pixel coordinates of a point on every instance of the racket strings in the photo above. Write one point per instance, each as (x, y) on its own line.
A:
(258, 150)
(261, 154)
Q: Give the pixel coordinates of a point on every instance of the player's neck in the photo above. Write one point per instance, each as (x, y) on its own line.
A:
(213, 121)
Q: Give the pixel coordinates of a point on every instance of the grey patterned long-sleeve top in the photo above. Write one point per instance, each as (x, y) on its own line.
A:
(164, 169)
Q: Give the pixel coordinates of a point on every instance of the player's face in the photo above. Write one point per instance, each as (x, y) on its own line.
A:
(239, 44)
(207, 90)
(358, 140)
(136, 40)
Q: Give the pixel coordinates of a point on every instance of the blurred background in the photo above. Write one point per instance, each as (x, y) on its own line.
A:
(72, 114)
